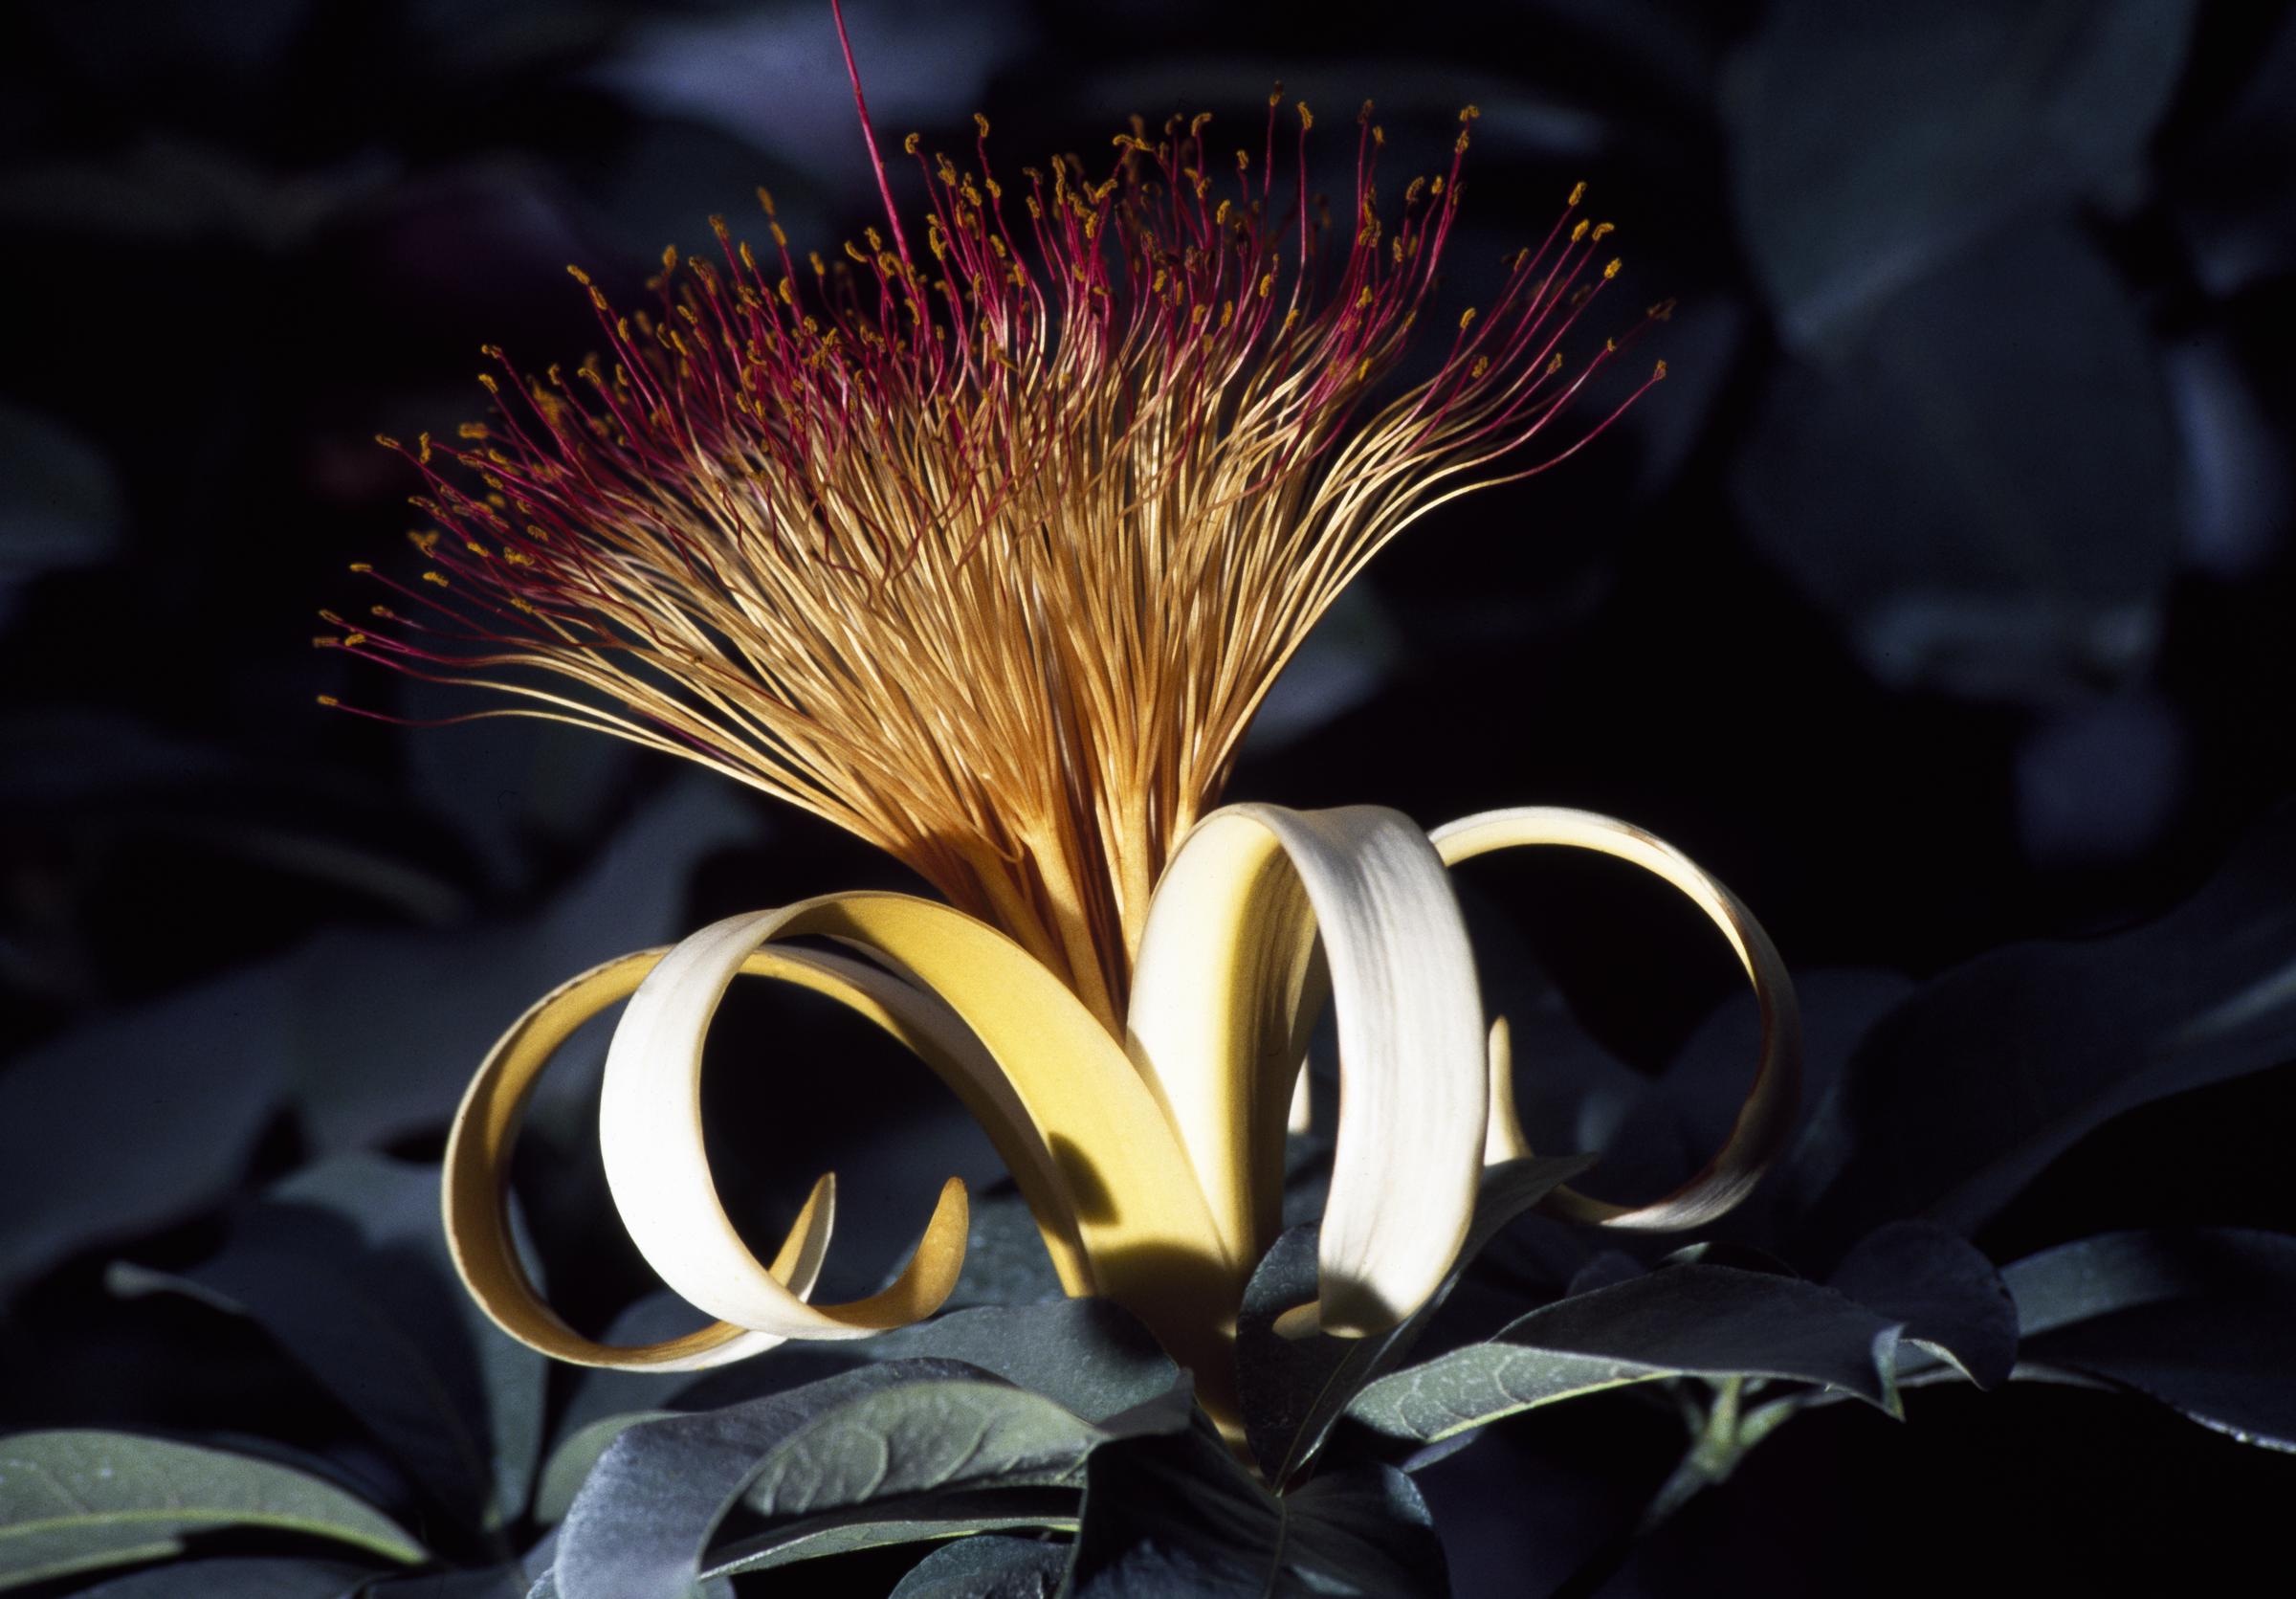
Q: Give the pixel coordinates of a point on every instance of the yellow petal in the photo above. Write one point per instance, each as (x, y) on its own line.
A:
(478, 1169)
(1503, 1139)
(1767, 1115)
(1224, 992)
(1061, 1087)
(1119, 1167)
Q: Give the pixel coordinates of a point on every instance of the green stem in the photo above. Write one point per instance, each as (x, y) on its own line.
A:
(1717, 1446)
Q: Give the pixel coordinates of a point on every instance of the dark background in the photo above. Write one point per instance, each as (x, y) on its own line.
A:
(1940, 599)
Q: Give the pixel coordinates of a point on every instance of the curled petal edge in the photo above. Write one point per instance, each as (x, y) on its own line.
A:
(485, 1131)
(1765, 1119)
(474, 1194)
(1111, 1187)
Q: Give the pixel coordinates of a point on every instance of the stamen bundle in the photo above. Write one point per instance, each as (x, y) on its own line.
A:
(989, 557)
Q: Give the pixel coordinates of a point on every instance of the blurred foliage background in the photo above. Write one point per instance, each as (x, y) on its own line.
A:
(1940, 599)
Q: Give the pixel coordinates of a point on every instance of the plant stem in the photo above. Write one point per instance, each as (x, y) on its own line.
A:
(1714, 1453)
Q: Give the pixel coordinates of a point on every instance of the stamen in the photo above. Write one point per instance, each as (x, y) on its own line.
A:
(991, 569)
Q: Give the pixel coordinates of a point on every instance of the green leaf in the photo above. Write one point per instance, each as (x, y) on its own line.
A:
(877, 1525)
(251, 1577)
(893, 1431)
(547, 1586)
(1296, 1390)
(332, 1024)
(346, 1265)
(2001, 437)
(1868, 141)
(1005, 1262)
(1946, 1293)
(164, 1141)
(60, 503)
(502, 1582)
(1962, 1093)
(1090, 1356)
(571, 1461)
(2201, 1319)
(987, 1568)
(1710, 1321)
(77, 1500)
(1176, 1514)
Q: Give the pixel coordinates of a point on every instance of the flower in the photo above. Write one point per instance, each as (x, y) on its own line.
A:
(988, 554)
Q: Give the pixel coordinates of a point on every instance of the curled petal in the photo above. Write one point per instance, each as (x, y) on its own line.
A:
(1224, 992)
(478, 1169)
(1766, 1117)
(1082, 1135)
(1301, 1118)
(1503, 1139)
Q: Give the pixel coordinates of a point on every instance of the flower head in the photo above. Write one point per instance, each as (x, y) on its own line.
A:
(987, 550)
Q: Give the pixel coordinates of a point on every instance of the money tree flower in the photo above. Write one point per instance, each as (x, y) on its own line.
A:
(983, 539)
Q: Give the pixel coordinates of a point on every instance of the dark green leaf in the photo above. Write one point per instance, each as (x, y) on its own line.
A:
(2000, 439)
(572, 1458)
(163, 1140)
(547, 1586)
(1712, 1321)
(2201, 1319)
(504, 1582)
(874, 1526)
(1946, 1294)
(113, 1146)
(346, 1265)
(77, 1501)
(1295, 1389)
(60, 501)
(1869, 142)
(1959, 1096)
(1090, 1356)
(370, 1066)
(890, 1432)
(253, 1577)
(1004, 1258)
(1176, 1514)
(987, 1568)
